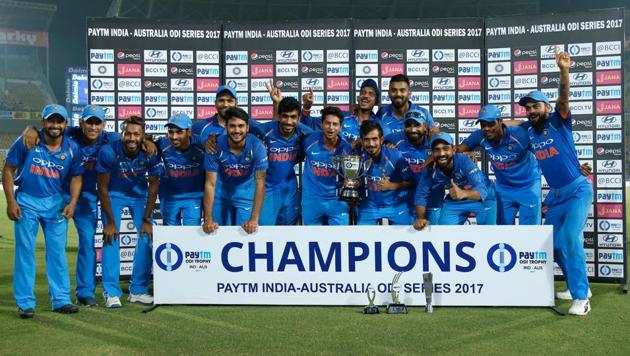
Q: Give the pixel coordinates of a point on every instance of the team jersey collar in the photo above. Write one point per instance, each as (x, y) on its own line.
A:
(42, 142)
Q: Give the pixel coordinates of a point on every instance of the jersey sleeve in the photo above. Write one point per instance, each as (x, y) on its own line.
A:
(112, 136)
(314, 123)
(474, 176)
(402, 166)
(211, 162)
(155, 166)
(260, 156)
(17, 153)
(473, 140)
(76, 168)
(423, 188)
(106, 159)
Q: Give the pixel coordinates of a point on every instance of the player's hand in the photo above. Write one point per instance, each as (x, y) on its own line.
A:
(68, 211)
(274, 92)
(385, 184)
(147, 228)
(356, 145)
(351, 183)
(13, 211)
(209, 226)
(110, 233)
(211, 144)
(562, 59)
(420, 223)
(307, 99)
(250, 226)
(429, 162)
(149, 148)
(456, 192)
(389, 144)
(30, 137)
(586, 170)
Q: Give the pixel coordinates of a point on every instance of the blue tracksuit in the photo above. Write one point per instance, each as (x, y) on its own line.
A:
(40, 178)
(234, 195)
(517, 174)
(468, 176)
(86, 212)
(320, 204)
(349, 126)
(128, 187)
(415, 156)
(392, 204)
(568, 200)
(393, 125)
(281, 205)
(181, 186)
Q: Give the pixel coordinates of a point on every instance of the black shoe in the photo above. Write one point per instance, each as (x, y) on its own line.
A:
(86, 301)
(67, 309)
(26, 313)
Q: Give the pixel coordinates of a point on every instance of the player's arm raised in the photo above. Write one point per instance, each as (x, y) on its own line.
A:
(564, 62)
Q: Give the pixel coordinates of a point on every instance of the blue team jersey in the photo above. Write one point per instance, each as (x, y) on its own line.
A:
(555, 150)
(283, 154)
(512, 160)
(349, 126)
(393, 125)
(89, 156)
(42, 173)
(199, 125)
(389, 164)
(320, 177)
(127, 176)
(184, 175)
(235, 174)
(465, 173)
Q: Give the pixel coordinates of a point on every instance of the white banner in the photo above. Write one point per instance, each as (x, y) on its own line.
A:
(325, 265)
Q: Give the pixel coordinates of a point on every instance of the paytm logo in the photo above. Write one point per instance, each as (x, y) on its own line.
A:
(101, 55)
(367, 55)
(499, 54)
(236, 57)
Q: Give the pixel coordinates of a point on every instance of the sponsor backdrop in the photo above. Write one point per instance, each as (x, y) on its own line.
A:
(156, 68)
(520, 58)
(478, 265)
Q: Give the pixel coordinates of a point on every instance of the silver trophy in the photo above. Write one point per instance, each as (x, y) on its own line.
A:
(351, 168)
(396, 307)
(427, 284)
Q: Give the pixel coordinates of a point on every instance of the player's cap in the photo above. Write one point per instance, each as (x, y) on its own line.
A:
(417, 116)
(443, 137)
(93, 111)
(489, 113)
(534, 95)
(180, 120)
(372, 84)
(225, 88)
(54, 109)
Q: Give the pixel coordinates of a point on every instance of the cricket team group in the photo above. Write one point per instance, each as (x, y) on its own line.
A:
(231, 170)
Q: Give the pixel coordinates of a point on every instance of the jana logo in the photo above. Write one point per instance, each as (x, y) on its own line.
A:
(169, 257)
(506, 257)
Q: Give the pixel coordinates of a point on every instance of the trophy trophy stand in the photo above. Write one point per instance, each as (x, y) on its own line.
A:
(396, 307)
(427, 285)
(371, 308)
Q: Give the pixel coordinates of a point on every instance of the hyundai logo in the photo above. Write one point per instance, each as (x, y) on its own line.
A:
(155, 54)
(286, 54)
(444, 81)
(182, 82)
(610, 238)
(417, 53)
(313, 81)
(609, 164)
(579, 76)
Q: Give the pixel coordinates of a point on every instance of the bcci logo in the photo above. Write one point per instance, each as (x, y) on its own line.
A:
(501, 257)
(169, 257)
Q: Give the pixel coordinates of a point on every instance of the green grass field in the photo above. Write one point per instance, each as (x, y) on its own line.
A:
(302, 330)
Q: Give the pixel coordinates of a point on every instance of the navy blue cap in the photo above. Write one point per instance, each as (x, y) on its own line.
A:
(534, 95)
(416, 116)
(180, 120)
(441, 136)
(372, 84)
(223, 88)
(93, 111)
(54, 109)
(489, 113)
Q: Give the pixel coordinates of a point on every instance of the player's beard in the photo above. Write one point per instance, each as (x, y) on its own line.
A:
(54, 131)
(415, 137)
(399, 102)
(444, 161)
(538, 122)
(236, 139)
(132, 146)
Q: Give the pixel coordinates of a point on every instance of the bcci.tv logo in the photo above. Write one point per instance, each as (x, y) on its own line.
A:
(170, 257)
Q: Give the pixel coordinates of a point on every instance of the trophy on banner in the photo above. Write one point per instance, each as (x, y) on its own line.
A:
(371, 308)
(427, 285)
(396, 307)
(351, 168)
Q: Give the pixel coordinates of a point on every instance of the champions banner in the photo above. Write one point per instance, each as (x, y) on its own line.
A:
(473, 265)
(520, 58)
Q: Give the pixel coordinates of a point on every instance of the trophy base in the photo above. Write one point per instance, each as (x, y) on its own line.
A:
(349, 195)
(371, 310)
(396, 308)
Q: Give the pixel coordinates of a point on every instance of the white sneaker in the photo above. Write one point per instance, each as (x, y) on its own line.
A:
(566, 295)
(580, 307)
(140, 298)
(112, 302)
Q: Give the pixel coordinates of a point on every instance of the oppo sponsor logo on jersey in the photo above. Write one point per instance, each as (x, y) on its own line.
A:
(525, 81)
(207, 98)
(312, 56)
(608, 121)
(101, 55)
(499, 68)
(503, 82)
(499, 54)
(129, 84)
(101, 69)
(338, 55)
(182, 98)
(466, 97)
(234, 57)
(443, 83)
(469, 69)
(440, 111)
(155, 70)
(547, 51)
(605, 48)
(549, 66)
(609, 136)
(580, 49)
(608, 92)
(129, 98)
(102, 98)
(371, 55)
(156, 112)
(102, 84)
(611, 62)
(211, 57)
(468, 55)
(417, 69)
(443, 55)
(178, 56)
(287, 56)
(610, 240)
(499, 96)
(417, 55)
(155, 98)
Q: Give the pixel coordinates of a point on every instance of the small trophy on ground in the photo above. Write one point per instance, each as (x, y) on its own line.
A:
(371, 308)
(427, 285)
(396, 307)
